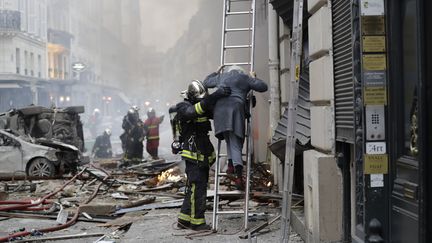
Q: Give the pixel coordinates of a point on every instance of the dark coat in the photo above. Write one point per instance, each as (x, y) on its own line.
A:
(229, 112)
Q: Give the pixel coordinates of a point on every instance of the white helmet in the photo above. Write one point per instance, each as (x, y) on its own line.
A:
(96, 111)
(135, 108)
(107, 132)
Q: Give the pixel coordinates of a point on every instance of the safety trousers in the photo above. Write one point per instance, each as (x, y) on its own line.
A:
(194, 204)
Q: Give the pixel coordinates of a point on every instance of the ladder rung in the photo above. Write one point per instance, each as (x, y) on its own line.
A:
(231, 212)
(230, 193)
(238, 46)
(233, 1)
(238, 29)
(222, 174)
(223, 155)
(239, 13)
(237, 64)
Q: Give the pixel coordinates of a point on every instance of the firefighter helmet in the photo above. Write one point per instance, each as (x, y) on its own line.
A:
(151, 112)
(195, 91)
(107, 132)
(135, 108)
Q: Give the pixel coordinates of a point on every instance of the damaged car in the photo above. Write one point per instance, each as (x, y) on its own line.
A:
(41, 141)
(61, 124)
(36, 157)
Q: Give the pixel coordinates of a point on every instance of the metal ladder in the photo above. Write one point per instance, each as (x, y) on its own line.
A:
(297, 38)
(241, 9)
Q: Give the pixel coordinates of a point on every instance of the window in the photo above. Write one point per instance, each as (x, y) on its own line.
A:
(6, 141)
(32, 64)
(39, 66)
(18, 60)
(25, 63)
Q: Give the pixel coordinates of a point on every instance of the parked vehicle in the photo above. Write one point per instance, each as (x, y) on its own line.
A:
(37, 157)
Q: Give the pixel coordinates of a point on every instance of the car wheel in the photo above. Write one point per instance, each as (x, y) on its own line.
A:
(41, 167)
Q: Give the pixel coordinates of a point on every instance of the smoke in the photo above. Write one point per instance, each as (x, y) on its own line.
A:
(164, 21)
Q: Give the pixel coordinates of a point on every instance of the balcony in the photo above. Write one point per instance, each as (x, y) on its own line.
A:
(59, 37)
(10, 20)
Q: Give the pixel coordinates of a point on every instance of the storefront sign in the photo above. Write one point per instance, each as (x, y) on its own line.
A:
(374, 44)
(372, 7)
(375, 96)
(376, 148)
(376, 164)
(373, 25)
(374, 62)
(78, 66)
(375, 78)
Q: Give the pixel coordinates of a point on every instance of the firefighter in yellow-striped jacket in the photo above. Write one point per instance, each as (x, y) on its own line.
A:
(192, 124)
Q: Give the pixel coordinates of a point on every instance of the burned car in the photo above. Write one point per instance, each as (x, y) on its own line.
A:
(61, 124)
(37, 157)
(42, 141)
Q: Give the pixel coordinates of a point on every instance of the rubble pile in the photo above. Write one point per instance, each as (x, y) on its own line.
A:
(110, 195)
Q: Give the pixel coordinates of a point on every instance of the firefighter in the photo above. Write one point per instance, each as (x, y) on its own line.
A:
(192, 123)
(151, 128)
(230, 113)
(133, 136)
(102, 147)
(94, 122)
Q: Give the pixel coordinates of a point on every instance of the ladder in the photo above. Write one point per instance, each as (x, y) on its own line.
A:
(243, 10)
(296, 52)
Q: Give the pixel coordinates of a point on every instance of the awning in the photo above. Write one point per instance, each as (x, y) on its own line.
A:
(9, 86)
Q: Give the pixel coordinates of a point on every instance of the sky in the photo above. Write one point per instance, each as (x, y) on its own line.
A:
(167, 19)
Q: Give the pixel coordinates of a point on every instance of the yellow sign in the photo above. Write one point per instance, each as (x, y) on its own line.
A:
(297, 72)
(374, 62)
(375, 163)
(375, 95)
(373, 25)
(374, 44)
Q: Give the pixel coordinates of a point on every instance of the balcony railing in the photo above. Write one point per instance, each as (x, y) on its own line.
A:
(10, 20)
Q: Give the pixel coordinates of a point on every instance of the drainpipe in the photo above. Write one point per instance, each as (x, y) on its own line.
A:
(274, 101)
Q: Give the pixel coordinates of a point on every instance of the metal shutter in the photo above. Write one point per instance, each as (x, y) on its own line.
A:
(343, 70)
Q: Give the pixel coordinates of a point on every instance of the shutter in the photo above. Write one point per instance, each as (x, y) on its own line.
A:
(343, 70)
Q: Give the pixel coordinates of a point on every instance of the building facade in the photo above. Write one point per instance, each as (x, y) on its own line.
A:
(23, 39)
(366, 178)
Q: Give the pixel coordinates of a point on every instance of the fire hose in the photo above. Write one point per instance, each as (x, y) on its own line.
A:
(55, 228)
(43, 199)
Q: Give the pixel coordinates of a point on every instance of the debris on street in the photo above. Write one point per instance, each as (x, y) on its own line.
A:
(109, 196)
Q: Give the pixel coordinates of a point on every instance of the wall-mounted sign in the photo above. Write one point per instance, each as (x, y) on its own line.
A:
(372, 7)
(376, 164)
(374, 44)
(78, 66)
(377, 180)
(375, 95)
(376, 148)
(374, 78)
(373, 25)
(374, 62)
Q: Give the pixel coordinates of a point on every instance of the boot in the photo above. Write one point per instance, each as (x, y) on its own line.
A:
(181, 224)
(230, 170)
(238, 181)
(200, 227)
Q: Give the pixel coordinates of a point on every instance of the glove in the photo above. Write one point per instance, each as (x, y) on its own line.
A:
(175, 147)
(252, 74)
